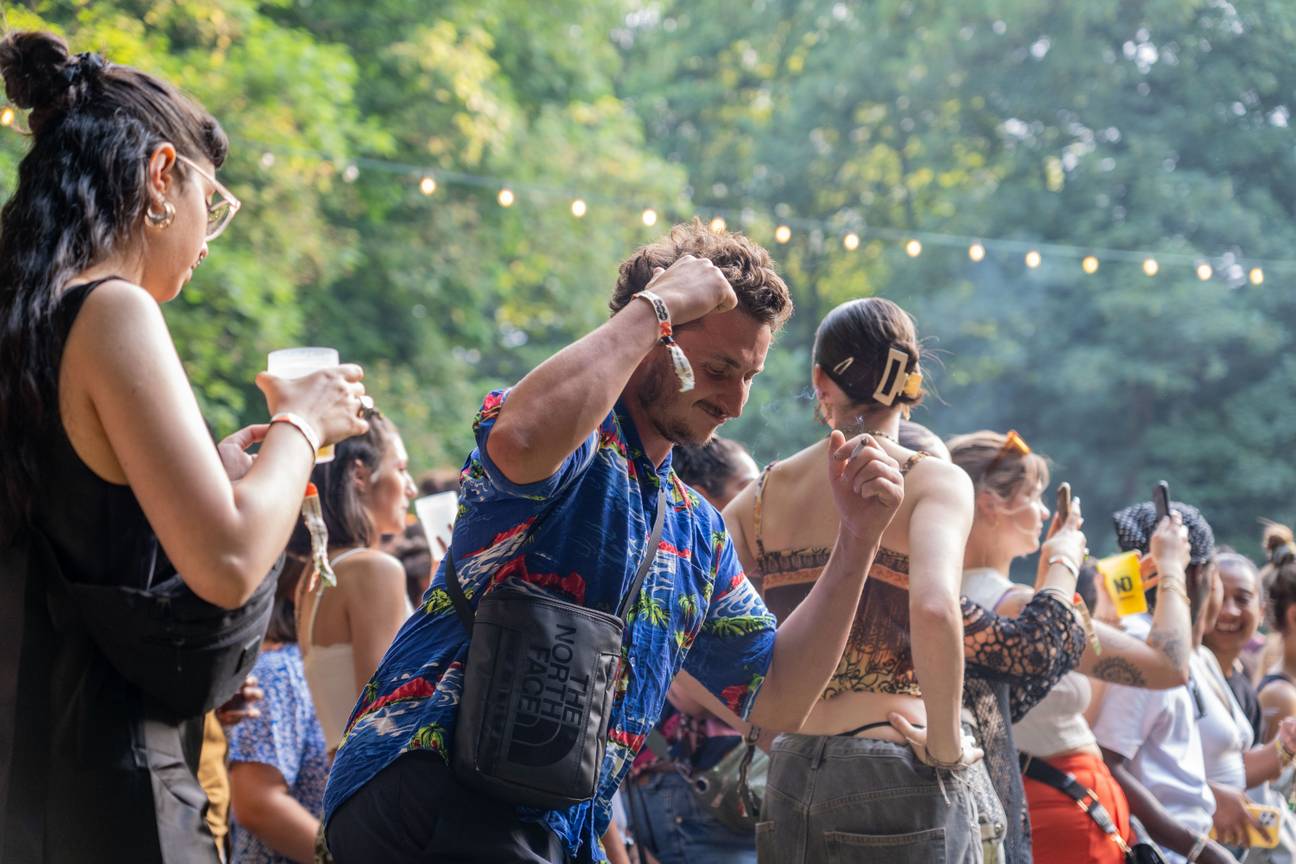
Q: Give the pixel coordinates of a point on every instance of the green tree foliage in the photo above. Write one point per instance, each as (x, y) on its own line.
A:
(1147, 125)
(1152, 124)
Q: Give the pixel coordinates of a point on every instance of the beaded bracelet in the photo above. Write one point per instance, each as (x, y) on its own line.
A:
(666, 336)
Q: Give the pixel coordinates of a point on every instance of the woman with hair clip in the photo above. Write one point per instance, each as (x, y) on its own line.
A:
(1010, 480)
(365, 493)
(888, 734)
(108, 462)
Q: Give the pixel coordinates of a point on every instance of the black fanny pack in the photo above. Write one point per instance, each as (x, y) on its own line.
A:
(538, 686)
(186, 653)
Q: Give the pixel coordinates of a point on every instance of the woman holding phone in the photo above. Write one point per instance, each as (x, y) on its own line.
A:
(108, 460)
(1010, 479)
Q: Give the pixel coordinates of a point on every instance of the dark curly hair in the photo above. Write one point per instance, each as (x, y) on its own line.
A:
(81, 196)
(762, 293)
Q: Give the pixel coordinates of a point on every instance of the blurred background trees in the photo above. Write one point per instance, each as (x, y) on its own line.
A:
(1159, 126)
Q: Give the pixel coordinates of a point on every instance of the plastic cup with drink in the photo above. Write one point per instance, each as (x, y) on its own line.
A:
(298, 363)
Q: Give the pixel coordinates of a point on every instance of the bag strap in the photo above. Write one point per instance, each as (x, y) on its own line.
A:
(1067, 784)
(467, 616)
(650, 555)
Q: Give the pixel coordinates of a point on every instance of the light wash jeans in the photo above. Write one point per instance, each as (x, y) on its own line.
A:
(841, 800)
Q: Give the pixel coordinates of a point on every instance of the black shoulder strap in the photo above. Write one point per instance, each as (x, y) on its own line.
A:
(467, 616)
(1067, 784)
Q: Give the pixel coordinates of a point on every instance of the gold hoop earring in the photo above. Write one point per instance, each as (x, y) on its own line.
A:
(163, 219)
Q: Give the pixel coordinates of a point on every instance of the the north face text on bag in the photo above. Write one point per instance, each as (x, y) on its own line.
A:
(552, 706)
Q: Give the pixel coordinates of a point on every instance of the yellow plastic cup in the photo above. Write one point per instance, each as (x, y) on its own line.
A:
(1124, 581)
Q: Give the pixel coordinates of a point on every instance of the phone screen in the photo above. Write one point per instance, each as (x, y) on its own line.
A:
(1161, 498)
(1063, 502)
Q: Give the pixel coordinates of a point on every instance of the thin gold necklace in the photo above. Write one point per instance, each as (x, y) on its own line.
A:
(877, 433)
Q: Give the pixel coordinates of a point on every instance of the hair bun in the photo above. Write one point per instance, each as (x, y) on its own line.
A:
(35, 67)
(1279, 544)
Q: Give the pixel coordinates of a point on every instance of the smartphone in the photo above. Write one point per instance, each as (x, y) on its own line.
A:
(1161, 498)
(1063, 502)
(1265, 837)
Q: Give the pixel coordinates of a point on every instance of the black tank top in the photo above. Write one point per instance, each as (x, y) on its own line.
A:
(97, 529)
(107, 775)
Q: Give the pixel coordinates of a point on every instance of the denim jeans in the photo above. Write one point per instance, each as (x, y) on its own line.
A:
(840, 800)
(667, 819)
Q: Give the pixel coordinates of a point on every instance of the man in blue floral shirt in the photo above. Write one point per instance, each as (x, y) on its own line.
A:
(583, 443)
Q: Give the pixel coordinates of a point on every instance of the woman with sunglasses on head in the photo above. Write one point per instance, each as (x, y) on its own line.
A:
(1010, 515)
(108, 460)
(888, 736)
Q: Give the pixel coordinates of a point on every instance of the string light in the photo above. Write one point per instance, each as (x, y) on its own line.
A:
(913, 246)
(7, 116)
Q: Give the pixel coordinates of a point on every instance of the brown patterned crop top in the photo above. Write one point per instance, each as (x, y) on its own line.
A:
(878, 658)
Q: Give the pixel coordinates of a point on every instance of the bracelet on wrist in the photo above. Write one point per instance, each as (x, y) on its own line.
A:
(1071, 566)
(301, 425)
(1285, 756)
(1174, 587)
(666, 337)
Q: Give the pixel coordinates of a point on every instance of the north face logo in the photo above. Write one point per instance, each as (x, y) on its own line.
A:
(552, 704)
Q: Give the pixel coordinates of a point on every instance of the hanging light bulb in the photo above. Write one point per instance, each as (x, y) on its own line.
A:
(428, 185)
(1089, 264)
(650, 217)
(1204, 271)
(1256, 276)
(350, 173)
(976, 252)
(1033, 259)
(505, 197)
(717, 225)
(851, 241)
(913, 248)
(7, 116)
(782, 234)
(267, 158)
(578, 208)
(1150, 266)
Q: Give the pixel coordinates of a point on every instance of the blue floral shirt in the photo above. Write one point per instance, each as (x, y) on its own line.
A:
(697, 611)
(286, 736)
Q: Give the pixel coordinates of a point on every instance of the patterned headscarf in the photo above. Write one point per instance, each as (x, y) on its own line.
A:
(1136, 524)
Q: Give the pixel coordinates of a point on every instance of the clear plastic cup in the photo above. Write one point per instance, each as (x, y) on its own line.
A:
(437, 513)
(298, 363)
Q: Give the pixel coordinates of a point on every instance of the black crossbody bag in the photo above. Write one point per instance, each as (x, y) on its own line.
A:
(1086, 800)
(538, 686)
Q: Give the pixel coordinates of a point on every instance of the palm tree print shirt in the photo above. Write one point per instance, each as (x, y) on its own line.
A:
(697, 611)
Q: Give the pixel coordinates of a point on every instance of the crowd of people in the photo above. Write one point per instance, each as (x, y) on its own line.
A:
(822, 660)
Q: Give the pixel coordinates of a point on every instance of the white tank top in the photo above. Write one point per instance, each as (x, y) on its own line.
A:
(330, 671)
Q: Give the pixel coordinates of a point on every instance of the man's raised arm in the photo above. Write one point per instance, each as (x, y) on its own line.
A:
(564, 399)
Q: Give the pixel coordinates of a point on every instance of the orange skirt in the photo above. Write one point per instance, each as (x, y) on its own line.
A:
(1061, 831)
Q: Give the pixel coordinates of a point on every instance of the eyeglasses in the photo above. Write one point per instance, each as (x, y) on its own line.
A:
(223, 206)
(1013, 444)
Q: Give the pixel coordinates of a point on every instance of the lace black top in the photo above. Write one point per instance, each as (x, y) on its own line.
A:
(1010, 663)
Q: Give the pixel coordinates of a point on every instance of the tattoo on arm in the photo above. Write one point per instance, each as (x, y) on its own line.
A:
(1171, 645)
(1118, 670)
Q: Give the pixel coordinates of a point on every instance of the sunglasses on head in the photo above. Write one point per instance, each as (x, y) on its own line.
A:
(1013, 444)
